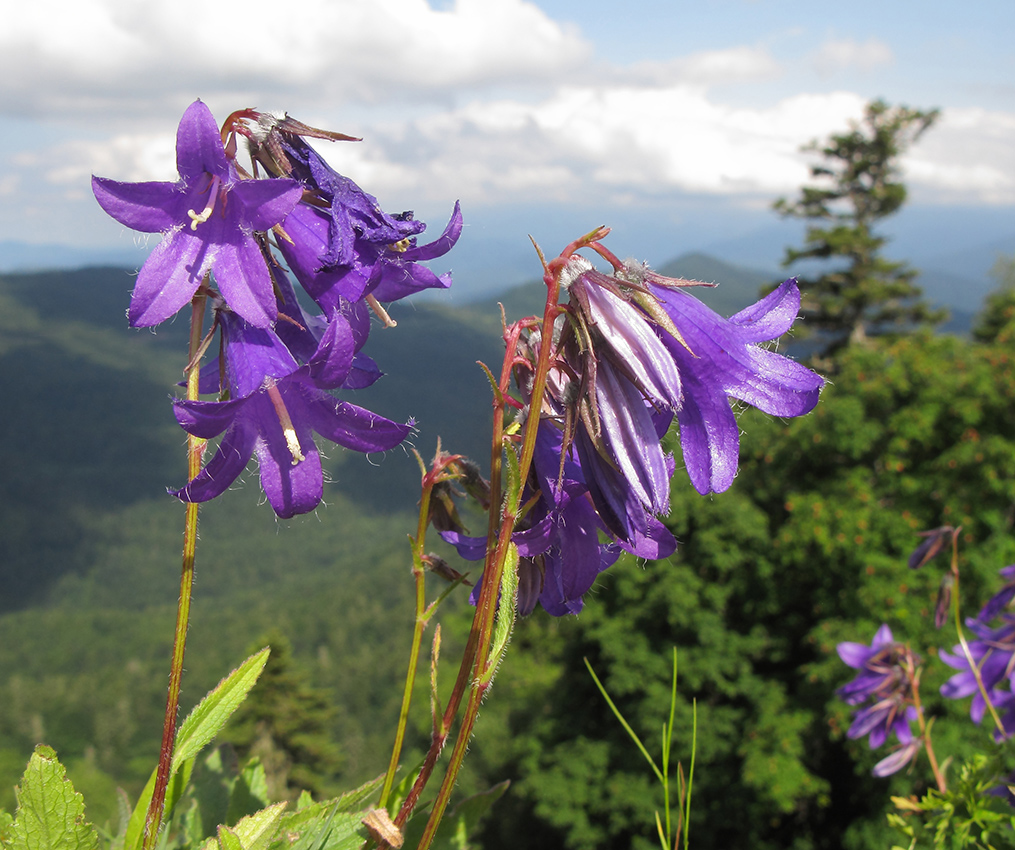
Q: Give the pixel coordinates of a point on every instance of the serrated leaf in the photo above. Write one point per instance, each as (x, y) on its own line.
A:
(255, 831)
(228, 840)
(197, 731)
(327, 825)
(51, 814)
(212, 713)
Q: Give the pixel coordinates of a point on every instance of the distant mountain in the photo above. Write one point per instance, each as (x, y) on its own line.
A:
(32, 257)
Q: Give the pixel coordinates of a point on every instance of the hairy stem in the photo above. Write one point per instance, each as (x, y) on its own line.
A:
(195, 448)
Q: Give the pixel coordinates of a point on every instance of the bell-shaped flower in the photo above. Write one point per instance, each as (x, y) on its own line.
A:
(885, 678)
(207, 219)
(719, 359)
(993, 653)
(387, 270)
(274, 408)
(560, 551)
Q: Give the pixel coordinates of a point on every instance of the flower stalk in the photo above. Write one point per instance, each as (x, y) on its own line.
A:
(195, 449)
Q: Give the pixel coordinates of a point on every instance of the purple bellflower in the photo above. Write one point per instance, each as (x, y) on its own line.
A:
(340, 243)
(993, 653)
(274, 406)
(885, 678)
(207, 219)
(637, 351)
(559, 548)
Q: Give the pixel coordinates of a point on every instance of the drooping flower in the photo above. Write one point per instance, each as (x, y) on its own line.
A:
(274, 409)
(636, 351)
(993, 653)
(885, 679)
(341, 243)
(559, 547)
(207, 219)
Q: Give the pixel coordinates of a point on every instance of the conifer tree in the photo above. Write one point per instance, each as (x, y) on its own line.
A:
(997, 321)
(863, 293)
(288, 724)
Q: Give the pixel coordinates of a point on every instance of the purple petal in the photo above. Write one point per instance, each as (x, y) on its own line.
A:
(223, 469)
(291, 488)
(169, 278)
(442, 244)
(199, 146)
(897, 760)
(147, 207)
(244, 280)
(770, 317)
(207, 419)
(352, 426)
(265, 202)
(709, 437)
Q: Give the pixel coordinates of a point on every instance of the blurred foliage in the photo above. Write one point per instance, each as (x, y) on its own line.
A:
(807, 549)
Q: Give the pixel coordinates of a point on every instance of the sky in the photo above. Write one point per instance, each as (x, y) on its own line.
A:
(676, 123)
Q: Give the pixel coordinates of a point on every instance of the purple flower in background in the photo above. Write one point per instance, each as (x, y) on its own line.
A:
(1000, 600)
(885, 679)
(275, 407)
(993, 653)
(933, 544)
(208, 218)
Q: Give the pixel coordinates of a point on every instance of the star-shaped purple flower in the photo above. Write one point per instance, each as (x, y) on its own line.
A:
(208, 218)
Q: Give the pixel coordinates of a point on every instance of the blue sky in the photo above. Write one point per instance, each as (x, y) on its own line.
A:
(678, 121)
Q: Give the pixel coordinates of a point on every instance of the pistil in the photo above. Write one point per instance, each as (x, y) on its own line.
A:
(291, 440)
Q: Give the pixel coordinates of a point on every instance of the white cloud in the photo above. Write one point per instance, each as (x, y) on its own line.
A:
(744, 63)
(587, 144)
(121, 56)
(966, 157)
(846, 55)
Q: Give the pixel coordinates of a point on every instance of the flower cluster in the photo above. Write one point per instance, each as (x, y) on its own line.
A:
(631, 352)
(991, 675)
(278, 364)
(887, 670)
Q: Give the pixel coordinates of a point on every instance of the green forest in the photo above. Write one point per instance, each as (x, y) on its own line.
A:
(808, 548)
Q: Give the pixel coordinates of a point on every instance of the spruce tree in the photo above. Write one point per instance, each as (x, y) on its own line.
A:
(862, 293)
(289, 724)
(997, 321)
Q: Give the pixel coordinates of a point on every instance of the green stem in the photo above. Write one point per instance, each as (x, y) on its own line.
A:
(962, 637)
(498, 542)
(422, 618)
(195, 448)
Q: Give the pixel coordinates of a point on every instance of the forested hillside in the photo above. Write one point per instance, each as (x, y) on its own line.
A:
(808, 548)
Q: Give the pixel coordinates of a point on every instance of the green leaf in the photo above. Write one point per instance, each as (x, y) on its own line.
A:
(211, 714)
(197, 731)
(51, 814)
(255, 831)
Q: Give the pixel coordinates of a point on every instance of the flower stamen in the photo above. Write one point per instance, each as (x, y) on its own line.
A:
(291, 440)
